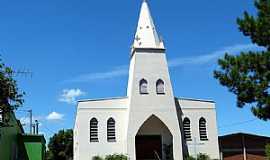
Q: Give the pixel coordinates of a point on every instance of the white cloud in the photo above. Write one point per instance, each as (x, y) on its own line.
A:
(55, 116)
(176, 62)
(115, 72)
(70, 95)
(206, 58)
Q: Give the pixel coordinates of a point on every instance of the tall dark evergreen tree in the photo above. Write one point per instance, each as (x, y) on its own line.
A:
(248, 75)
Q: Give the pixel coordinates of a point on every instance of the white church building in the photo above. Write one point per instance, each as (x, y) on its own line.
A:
(150, 122)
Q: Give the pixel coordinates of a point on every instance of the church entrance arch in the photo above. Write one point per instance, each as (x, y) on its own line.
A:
(154, 140)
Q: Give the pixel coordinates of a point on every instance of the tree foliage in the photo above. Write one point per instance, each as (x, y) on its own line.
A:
(60, 146)
(248, 75)
(10, 97)
(267, 151)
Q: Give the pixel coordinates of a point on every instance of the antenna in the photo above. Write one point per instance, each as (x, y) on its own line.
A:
(30, 111)
(19, 72)
(25, 72)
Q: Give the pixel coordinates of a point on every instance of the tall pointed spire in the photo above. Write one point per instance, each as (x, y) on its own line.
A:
(146, 35)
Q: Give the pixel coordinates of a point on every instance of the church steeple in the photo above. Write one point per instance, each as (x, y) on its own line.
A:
(146, 35)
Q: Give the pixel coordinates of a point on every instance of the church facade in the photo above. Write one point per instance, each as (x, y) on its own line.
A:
(150, 122)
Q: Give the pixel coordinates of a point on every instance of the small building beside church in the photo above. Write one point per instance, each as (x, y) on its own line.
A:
(15, 144)
(243, 146)
(150, 122)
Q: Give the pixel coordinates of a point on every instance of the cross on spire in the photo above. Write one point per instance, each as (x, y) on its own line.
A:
(146, 35)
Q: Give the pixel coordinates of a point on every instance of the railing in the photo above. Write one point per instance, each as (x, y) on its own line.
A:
(156, 155)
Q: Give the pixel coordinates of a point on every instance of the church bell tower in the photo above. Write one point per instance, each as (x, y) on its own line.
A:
(150, 91)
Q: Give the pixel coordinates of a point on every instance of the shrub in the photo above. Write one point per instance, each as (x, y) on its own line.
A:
(190, 158)
(111, 157)
(97, 158)
(116, 157)
(202, 156)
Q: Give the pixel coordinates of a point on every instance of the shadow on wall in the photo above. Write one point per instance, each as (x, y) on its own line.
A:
(179, 116)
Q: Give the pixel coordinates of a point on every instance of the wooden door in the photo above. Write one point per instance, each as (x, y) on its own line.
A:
(148, 146)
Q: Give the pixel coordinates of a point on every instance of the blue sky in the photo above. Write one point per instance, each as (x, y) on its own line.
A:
(80, 49)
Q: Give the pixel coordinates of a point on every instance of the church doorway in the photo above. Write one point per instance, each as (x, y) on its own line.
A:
(148, 147)
(153, 141)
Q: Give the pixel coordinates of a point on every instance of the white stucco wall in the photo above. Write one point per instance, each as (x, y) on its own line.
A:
(194, 110)
(102, 110)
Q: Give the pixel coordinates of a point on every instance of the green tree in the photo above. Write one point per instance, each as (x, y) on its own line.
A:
(60, 146)
(10, 97)
(267, 151)
(248, 75)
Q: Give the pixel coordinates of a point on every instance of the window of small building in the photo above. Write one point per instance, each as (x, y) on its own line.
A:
(143, 87)
(187, 130)
(93, 130)
(160, 87)
(111, 130)
(202, 129)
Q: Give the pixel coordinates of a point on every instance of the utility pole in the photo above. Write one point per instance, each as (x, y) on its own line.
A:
(30, 120)
(244, 147)
(26, 72)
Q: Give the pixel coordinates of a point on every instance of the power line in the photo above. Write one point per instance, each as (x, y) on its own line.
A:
(48, 129)
(30, 112)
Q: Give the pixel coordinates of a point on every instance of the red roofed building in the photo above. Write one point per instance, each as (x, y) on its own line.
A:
(243, 146)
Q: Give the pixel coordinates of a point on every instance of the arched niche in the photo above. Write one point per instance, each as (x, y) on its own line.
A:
(154, 140)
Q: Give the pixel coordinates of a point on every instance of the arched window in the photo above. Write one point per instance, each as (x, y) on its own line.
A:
(186, 127)
(202, 129)
(111, 130)
(160, 87)
(93, 130)
(143, 86)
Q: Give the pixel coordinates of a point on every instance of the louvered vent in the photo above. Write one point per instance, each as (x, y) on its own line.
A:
(202, 128)
(93, 130)
(187, 131)
(111, 130)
